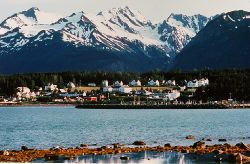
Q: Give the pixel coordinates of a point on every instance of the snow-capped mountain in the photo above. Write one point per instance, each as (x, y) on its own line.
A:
(116, 39)
(179, 29)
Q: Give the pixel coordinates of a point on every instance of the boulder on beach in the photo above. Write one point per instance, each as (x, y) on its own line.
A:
(199, 144)
(84, 145)
(217, 152)
(117, 145)
(139, 143)
(190, 137)
(24, 148)
(241, 145)
(167, 145)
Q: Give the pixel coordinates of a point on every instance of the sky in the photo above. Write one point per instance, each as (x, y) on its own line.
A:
(154, 10)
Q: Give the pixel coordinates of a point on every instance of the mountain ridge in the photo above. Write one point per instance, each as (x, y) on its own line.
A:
(130, 41)
(222, 44)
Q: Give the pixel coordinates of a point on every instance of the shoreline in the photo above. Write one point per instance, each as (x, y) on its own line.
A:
(122, 106)
(35, 105)
(220, 152)
(170, 106)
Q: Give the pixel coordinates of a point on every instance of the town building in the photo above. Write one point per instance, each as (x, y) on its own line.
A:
(125, 89)
(135, 83)
(50, 87)
(105, 83)
(154, 83)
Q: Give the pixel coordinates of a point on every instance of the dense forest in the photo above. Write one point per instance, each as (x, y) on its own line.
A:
(222, 83)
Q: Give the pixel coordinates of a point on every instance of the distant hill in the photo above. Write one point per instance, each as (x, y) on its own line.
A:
(223, 44)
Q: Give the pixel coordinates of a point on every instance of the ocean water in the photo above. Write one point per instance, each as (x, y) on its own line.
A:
(45, 127)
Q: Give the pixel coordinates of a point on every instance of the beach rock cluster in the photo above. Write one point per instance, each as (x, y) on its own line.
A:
(198, 151)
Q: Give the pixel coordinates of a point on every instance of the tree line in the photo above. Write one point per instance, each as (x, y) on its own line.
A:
(222, 83)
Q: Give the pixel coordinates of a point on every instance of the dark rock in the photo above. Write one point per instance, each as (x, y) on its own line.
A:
(69, 158)
(139, 143)
(24, 148)
(222, 140)
(199, 144)
(226, 145)
(104, 147)
(217, 152)
(190, 137)
(185, 151)
(117, 145)
(124, 158)
(241, 145)
(51, 157)
(207, 139)
(83, 145)
(167, 145)
(99, 149)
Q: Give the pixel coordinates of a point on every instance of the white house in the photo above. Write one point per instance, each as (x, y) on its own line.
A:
(105, 83)
(172, 95)
(23, 90)
(135, 83)
(125, 89)
(203, 82)
(154, 83)
(118, 84)
(171, 83)
(107, 89)
(50, 87)
(193, 84)
(71, 85)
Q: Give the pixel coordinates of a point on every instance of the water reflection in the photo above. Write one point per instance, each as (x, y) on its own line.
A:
(141, 157)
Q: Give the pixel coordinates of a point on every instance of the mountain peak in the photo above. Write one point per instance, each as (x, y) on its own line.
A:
(34, 9)
(236, 15)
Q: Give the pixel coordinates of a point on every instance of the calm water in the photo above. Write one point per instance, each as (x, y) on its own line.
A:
(45, 127)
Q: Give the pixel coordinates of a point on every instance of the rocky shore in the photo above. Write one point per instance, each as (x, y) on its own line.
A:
(198, 151)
